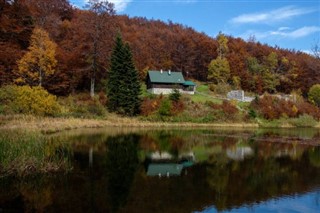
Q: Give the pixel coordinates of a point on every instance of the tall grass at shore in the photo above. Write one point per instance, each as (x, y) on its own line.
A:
(23, 153)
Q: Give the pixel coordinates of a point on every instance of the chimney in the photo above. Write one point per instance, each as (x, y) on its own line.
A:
(169, 72)
(161, 71)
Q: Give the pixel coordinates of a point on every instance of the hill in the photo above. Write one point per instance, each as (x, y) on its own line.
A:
(155, 45)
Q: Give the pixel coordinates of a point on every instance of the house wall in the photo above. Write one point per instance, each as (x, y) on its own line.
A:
(166, 91)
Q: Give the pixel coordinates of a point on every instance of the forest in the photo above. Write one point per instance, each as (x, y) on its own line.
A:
(83, 40)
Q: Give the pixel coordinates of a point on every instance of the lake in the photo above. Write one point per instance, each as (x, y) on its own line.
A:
(166, 170)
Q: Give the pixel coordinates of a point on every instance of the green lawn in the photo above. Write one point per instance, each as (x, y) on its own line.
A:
(202, 98)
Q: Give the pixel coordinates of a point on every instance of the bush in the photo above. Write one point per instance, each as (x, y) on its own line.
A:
(150, 104)
(314, 94)
(220, 89)
(7, 96)
(270, 108)
(304, 121)
(29, 100)
(37, 101)
(165, 108)
(175, 96)
(84, 106)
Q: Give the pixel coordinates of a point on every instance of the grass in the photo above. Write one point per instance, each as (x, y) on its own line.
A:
(51, 125)
(23, 153)
(199, 98)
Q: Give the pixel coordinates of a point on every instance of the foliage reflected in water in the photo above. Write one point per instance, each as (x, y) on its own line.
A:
(122, 163)
(110, 173)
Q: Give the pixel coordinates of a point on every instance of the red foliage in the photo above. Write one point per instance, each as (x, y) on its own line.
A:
(155, 45)
(228, 108)
(271, 107)
(150, 105)
(307, 108)
(177, 107)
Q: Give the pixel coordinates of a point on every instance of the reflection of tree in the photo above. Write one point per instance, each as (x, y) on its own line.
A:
(218, 178)
(314, 156)
(37, 194)
(122, 162)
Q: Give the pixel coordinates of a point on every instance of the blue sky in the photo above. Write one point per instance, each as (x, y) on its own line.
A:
(286, 23)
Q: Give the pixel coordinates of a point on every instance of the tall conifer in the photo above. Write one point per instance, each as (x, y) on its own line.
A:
(123, 85)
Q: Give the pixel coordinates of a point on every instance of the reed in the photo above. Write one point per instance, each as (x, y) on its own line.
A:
(23, 153)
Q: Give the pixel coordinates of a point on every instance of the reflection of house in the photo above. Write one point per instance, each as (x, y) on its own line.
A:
(164, 164)
(160, 156)
(239, 153)
(164, 169)
(164, 82)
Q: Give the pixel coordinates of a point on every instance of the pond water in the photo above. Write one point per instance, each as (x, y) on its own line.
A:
(128, 170)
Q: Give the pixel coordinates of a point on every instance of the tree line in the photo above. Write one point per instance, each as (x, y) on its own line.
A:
(84, 39)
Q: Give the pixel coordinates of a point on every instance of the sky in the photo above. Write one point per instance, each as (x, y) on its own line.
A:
(289, 24)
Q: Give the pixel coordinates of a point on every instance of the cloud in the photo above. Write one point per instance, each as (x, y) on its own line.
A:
(282, 32)
(298, 33)
(272, 16)
(119, 5)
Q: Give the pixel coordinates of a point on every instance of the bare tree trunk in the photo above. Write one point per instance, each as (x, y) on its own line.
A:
(92, 87)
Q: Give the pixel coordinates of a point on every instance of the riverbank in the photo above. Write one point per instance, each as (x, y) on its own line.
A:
(52, 125)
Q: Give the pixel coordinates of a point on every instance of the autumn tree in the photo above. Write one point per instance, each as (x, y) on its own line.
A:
(39, 62)
(314, 94)
(269, 72)
(219, 68)
(222, 45)
(123, 87)
(102, 11)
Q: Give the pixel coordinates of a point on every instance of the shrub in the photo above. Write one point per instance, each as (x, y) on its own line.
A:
(270, 107)
(7, 96)
(165, 108)
(304, 121)
(37, 101)
(150, 104)
(307, 108)
(177, 107)
(175, 96)
(82, 105)
(314, 94)
(220, 88)
(29, 100)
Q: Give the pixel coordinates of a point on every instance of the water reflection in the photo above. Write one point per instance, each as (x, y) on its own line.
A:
(121, 165)
(173, 171)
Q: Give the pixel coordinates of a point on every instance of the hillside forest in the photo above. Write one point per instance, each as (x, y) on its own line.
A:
(83, 41)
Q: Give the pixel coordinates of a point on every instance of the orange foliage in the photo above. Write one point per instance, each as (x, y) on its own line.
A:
(273, 108)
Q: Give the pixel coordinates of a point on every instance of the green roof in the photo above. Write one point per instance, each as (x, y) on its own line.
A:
(189, 83)
(164, 169)
(166, 77)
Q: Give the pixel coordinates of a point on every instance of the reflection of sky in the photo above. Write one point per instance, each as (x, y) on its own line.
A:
(306, 203)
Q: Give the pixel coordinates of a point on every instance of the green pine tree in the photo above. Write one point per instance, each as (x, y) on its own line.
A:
(123, 85)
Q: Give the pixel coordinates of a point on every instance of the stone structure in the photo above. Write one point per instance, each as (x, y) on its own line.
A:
(239, 96)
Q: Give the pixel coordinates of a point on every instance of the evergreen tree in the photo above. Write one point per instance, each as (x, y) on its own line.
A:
(123, 85)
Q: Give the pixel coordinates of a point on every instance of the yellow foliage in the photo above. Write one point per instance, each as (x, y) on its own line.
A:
(294, 109)
(39, 61)
(35, 100)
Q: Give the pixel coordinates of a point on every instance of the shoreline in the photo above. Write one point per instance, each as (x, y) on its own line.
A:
(53, 125)
(48, 125)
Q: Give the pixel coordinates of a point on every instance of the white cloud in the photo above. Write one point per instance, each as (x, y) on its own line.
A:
(119, 5)
(282, 32)
(283, 28)
(271, 16)
(298, 33)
